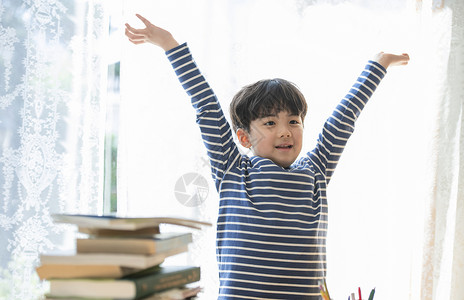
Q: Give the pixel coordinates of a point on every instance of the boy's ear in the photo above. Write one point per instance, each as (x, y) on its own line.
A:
(243, 138)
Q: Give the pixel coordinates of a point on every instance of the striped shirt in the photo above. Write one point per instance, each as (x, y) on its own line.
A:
(272, 222)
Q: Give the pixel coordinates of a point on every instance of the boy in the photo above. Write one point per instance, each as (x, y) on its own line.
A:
(272, 220)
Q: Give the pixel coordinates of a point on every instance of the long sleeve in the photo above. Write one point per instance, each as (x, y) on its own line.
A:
(340, 125)
(216, 132)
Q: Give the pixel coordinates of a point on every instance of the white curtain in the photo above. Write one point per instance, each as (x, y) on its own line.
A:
(443, 259)
(52, 78)
(402, 169)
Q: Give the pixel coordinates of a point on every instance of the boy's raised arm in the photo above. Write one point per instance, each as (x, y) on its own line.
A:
(340, 125)
(216, 132)
(151, 34)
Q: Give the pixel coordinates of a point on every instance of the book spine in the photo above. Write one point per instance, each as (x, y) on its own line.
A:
(152, 284)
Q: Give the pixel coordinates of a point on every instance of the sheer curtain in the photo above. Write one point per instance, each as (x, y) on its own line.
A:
(400, 172)
(443, 260)
(52, 77)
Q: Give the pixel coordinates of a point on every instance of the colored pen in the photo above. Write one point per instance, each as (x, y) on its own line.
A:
(323, 294)
(326, 289)
(359, 292)
(353, 297)
(371, 295)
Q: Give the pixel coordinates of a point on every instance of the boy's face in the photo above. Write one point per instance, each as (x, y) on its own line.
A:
(278, 137)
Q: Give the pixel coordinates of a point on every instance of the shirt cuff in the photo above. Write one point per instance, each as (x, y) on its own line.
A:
(175, 48)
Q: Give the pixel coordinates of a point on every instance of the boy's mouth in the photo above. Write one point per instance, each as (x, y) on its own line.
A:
(284, 146)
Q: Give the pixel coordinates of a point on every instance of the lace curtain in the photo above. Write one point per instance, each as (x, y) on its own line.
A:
(52, 77)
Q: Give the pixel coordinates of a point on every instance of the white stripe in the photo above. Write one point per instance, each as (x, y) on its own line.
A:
(274, 211)
(377, 67)
(276, 203)
(218, 136)
(272, 226)
(270, 267)
(214, 103)
(273, 251)
(275, 219)
(314, 155)
(194, 86)
(217, 161)
(272, 188)
(209, 142)
(232, 164)
(269, 283)
(363, 84)
(179, 58)
(345, 115)
(178, 50)
(213, 126)
(244, 297)
(370, 80)
(271, 275)
(219, 152)
(200, 92)
(251, 181)
(181, 66)
(336, 136)
(343, 122)
(271, 196)
(283, 172)
(190, 79)
(311, 237)
(360, 91)
(352, 103)
(187, 72)
(214, 119)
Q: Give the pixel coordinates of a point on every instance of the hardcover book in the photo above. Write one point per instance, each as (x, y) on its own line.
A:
(139, 261)
(124, 223)
(131, 287)
(49, 271)
(158, 243)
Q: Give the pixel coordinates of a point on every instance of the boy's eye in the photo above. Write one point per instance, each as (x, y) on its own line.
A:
(269, 123)
(294, 122)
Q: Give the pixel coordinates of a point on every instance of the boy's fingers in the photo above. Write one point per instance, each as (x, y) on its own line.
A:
(136, 42)
(145, 21)
(132, 29)
(134, 36)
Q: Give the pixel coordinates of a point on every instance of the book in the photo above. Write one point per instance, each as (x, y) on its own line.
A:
(102, 232)
(49, 271)
(175, 294)
(180, 293)
(131, 287)
(158, 243)
(129, 260)
(116, 222)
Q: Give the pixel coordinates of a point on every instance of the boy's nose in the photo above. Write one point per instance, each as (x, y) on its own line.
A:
(285, 132)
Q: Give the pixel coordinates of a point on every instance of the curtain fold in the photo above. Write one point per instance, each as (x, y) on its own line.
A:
(52, 78)
(443, 259)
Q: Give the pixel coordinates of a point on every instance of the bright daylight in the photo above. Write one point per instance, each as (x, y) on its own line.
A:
(221, 149)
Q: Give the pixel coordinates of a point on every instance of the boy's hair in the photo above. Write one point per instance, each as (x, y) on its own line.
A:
(265, 98)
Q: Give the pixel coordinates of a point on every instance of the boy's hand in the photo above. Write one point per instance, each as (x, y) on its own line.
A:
(151, 34)
(387, 59)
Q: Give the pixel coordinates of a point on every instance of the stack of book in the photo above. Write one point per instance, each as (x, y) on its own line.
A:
(121, 258)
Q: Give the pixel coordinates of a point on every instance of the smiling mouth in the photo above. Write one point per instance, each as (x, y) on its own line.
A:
(284, 147)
